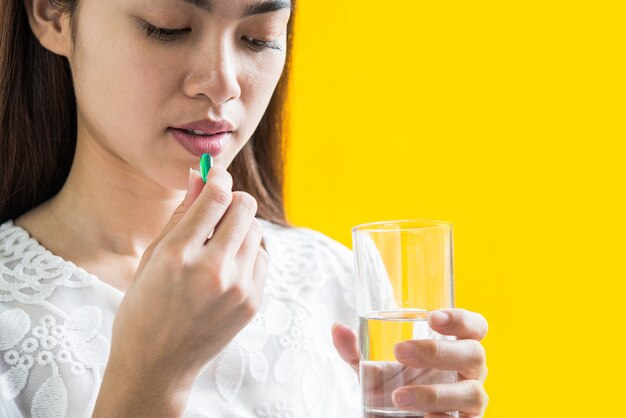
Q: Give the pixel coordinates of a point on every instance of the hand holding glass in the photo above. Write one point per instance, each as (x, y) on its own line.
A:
(403, 270)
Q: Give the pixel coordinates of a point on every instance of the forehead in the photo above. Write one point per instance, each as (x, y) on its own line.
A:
(236, 9)
(246, 7)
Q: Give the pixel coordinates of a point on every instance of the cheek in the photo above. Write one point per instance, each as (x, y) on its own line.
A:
(123, 85)
(119, 82)
(258, 85)
(122, 95)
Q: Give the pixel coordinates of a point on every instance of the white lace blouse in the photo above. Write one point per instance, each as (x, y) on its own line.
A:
(55, 333)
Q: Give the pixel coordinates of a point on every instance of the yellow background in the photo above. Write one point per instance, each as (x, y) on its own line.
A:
(505, 118)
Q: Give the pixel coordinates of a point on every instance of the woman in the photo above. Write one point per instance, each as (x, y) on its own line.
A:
(114, 302)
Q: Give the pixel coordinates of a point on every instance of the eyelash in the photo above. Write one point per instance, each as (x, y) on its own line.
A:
(168, 35)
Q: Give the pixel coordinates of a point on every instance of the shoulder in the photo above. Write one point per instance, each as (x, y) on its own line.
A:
(297, 242)
(303, 238)
(303, 258)
(51, 329)
(9, 237)
(29, 273)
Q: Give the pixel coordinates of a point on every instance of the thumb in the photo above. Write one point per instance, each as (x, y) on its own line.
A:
(194, 187)
(345, 343)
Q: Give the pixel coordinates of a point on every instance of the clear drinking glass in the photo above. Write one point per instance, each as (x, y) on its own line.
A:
(403, 270)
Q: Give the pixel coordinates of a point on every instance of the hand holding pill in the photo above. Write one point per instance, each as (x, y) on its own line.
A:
(191, 296)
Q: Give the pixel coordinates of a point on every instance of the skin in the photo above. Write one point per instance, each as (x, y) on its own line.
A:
(128, 178)
(464, 355)
(129, 175)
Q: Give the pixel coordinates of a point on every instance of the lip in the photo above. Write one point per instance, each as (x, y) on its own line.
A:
(213, 143)
(211, 127)
(198, 145)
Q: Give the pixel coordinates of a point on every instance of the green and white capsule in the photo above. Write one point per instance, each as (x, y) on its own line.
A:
(206, 162)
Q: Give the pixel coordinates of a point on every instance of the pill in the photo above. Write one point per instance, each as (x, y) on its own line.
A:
(206, 162)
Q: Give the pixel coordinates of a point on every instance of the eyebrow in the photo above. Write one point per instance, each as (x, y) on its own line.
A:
(263, 6)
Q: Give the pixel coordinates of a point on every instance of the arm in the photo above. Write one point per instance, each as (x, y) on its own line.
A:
(128, 391)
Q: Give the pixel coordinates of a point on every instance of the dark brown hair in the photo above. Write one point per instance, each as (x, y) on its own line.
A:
(38, 123)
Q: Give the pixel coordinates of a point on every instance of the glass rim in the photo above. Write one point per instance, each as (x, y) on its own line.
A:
(419, 224)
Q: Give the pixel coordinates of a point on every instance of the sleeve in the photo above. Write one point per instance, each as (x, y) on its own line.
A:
(14, 366)
(375, 288)
(379, 291)
(51, 362)
(340, 265)
(342, 272)
(8, 409)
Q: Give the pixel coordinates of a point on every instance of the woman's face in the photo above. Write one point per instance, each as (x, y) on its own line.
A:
(134, 83)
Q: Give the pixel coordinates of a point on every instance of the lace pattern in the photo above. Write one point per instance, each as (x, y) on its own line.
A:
(55, 321)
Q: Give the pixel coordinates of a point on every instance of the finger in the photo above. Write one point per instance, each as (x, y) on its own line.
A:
(375, 376)
(345, 343)
(232, 229)
(259, 275)
(461, 323)
(465, 356)
(246, 256)
(194, 187)
(467, 396)
(208, 208)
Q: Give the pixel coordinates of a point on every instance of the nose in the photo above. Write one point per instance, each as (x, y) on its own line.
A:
(214, 74)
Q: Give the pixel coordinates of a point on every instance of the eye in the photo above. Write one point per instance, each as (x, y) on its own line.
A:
(164, 34)
(258, 45)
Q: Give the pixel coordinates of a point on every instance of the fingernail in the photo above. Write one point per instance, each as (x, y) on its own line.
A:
(189, 177)
(404, 350)
(334, 325)
(439, 318)
(403, 397)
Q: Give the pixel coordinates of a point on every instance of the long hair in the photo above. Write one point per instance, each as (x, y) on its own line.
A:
(38, 123)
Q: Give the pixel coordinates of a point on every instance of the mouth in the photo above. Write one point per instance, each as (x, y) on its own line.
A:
(203, 136)
(206, 127)
(198, 143)
(199, 132)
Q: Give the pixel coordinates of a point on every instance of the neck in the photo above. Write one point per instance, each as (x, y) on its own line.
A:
(110, 205)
